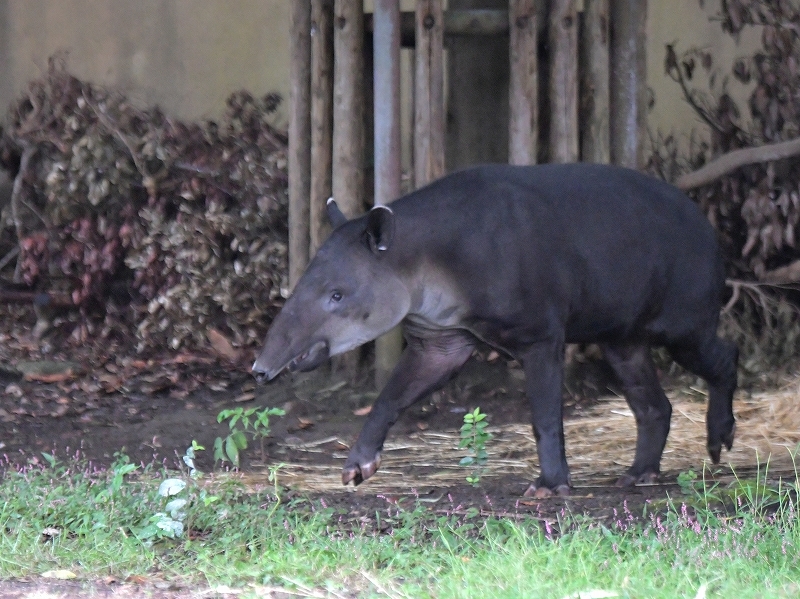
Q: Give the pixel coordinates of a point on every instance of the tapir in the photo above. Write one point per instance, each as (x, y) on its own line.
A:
(524, 259)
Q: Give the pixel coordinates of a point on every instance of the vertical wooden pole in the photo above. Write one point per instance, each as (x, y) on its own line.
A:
(299, 138)
(595, 81)
(348, 124)
(563, 34)
(523, 91)
(386, 53)
(321, 118)
(628, 81)
(348, 106)
(429, 92)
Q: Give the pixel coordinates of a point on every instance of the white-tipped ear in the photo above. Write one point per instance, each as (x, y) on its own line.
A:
(334, 214)
(380, 228)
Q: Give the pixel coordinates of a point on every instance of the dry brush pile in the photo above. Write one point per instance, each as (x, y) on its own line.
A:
(755, 207)
(141, 225)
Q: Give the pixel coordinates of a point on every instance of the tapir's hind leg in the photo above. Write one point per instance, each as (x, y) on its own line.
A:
(633, 364)
(714, 360)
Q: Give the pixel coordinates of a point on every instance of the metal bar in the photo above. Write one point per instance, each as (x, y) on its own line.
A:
(386, 52)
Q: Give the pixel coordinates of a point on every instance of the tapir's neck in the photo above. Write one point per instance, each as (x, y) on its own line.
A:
(436, 298)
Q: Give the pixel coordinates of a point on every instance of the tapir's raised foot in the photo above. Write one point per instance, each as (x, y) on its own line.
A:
(629, 480)
(717, 439)
(538, 491)
(357, 471)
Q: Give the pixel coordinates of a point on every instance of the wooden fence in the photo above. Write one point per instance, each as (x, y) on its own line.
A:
(345, 98)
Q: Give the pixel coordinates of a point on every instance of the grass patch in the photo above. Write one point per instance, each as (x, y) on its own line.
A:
(99, 523)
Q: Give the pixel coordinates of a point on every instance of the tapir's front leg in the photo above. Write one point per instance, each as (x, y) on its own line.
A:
(426, 364)
(543, 364)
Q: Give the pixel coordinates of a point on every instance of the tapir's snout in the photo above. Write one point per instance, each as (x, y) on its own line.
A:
(275, 357)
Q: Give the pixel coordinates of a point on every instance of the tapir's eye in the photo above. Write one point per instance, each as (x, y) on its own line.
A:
(336, 296)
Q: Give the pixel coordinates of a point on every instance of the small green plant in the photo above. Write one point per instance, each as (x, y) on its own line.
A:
(474, 438)
(174, 519)
(687, 481)
(253, 421)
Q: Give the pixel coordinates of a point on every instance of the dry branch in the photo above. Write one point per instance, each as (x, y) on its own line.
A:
(726, 163)
(785, 275)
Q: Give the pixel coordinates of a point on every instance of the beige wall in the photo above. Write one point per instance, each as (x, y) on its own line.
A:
(685, 24)
(189, 55)
(186, 55)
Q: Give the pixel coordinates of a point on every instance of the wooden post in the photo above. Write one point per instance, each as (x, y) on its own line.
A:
(563, 35)
(348, 125)
(429, 93)
(348, 106)
(523, 89)
(595, 81)
(628, 80)
(321, 118)
(299, 138)
(386, 53)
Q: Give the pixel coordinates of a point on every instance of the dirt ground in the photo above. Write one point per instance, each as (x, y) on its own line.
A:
(95, 404)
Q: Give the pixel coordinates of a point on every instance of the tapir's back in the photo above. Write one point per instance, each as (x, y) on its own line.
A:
(607, 248)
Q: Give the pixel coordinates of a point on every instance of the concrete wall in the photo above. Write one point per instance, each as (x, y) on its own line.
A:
(186, 55)
(684, 24)
(189, 55)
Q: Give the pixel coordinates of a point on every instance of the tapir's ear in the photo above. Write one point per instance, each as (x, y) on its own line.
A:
(380, 228)
(334, 214)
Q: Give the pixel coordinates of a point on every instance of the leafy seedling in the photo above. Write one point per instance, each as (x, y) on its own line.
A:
(474, 438)
(253, 421)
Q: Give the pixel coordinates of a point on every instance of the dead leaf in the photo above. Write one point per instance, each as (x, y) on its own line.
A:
(59, 574)
(56, 377)
(14, 389)
(109, 382)
(51, 532)
(362, 411)
(47, 371)
(305, 423)
(59, 411)
(245, 397)
(222, 346)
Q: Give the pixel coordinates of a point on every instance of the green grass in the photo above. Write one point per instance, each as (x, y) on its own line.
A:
(99, 523)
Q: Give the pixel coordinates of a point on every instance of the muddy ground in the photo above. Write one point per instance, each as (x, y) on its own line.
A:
(96, 402)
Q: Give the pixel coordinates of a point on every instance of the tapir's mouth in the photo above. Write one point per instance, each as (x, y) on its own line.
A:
(309, 359)
(304, 361)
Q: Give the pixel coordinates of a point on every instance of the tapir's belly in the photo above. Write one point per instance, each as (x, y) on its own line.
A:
(513, 319)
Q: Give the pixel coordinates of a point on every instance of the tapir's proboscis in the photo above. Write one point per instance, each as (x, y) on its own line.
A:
(524, 259)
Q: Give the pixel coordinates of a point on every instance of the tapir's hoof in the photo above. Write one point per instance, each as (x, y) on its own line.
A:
(629, 480)
(358, 473)
(715, 445)
(539, 492)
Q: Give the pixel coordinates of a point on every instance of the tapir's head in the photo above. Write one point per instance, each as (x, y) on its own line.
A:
(349, 295)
